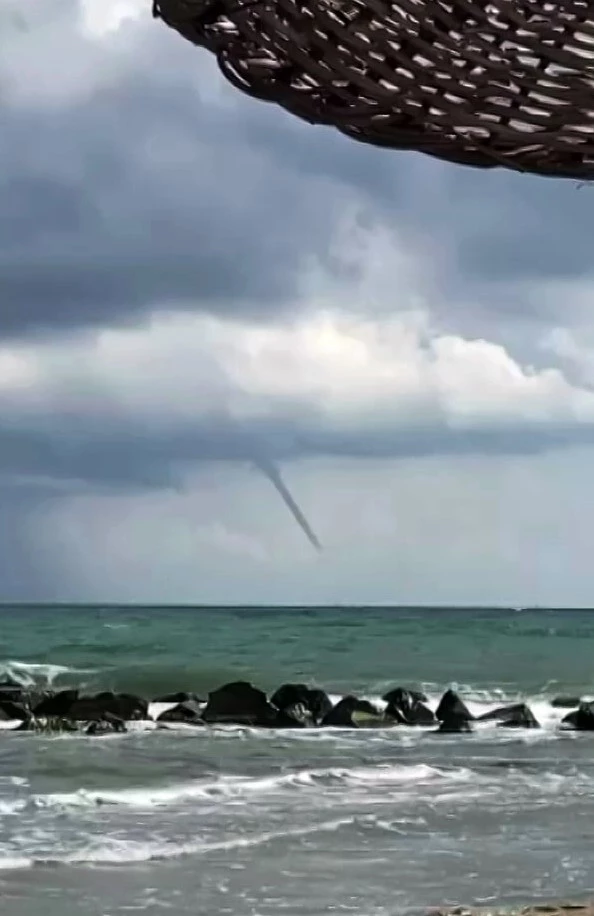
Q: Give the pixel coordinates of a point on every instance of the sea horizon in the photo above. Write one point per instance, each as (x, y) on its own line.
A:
(389, 606)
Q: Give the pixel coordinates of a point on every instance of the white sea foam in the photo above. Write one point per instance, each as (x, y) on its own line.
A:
(10, 724)
(14, 863)
(157, 709)
(234, 787)
(115, 851)
(30, 674)
(12, 806)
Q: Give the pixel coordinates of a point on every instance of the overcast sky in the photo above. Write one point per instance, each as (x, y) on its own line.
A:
(195, 287)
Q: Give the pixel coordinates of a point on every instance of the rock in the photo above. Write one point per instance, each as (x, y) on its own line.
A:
(27, 697)
(240, 703)
(315, 701)
(419, 714)
(375, 719)
(405, 707)
(582, 719)
(517, 715)
(565, 702)
(454, 723)
(450, 706)
(189, 712)
(290, 695)
(393, 696)
(520, 716)
(56, 705)
(123, 706)
(12, 690)
(350, 712)
(296, 716)
(109, 726)
(319, 704)
(500, 714)
(33, 698)
(10, 711)
(179, 698)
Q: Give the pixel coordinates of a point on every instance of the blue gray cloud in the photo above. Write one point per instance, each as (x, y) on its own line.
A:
(146, 190)
(137, 184)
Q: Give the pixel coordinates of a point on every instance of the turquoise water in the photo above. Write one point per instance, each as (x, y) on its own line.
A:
(254, 823)
(343, 649)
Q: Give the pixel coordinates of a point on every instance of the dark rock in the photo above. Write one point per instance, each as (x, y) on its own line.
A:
(454, 723)
(179, 698)
(565, 702)
(315, 701)
(395, 695)
(582, 719)
(109, 726)
(290, 695)
(189, 712)
(405, 707)
(123, 706)
(350, 712)
(33, 698)
(419, 714)
(240, 703)
(9, 710)
(13, 691)
(23, 696)
(500, 714)
(296, 716)
(319, 704)
(56, 705)
(519, 716)
(450, 706)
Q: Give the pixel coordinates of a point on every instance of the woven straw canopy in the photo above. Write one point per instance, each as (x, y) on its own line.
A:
(508, 83)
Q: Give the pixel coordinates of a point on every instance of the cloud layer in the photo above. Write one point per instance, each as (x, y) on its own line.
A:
(193, 285)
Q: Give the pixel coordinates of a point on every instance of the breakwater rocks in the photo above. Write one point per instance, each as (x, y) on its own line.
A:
(534, 909)
(241, 703)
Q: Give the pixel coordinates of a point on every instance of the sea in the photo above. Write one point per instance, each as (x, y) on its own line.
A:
(231, 821)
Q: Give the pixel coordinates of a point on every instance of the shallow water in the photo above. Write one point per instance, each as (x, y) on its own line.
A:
(237, 821)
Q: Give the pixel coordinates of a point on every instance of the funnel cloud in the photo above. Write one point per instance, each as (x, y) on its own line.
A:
(273, 475)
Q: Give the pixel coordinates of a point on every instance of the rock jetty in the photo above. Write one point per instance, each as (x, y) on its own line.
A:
(242, 703)
(533, 909)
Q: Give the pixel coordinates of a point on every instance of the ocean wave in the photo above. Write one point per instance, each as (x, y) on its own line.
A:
(39, 674)
(126, 852)
(12, 806)
(234, 787)
(14, 863)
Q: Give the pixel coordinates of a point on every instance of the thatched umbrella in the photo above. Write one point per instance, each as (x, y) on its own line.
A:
(505, 83)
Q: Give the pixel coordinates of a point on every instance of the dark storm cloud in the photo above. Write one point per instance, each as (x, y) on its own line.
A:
(136, 199)
(149, 193)
(490, 225)
(131, 456)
